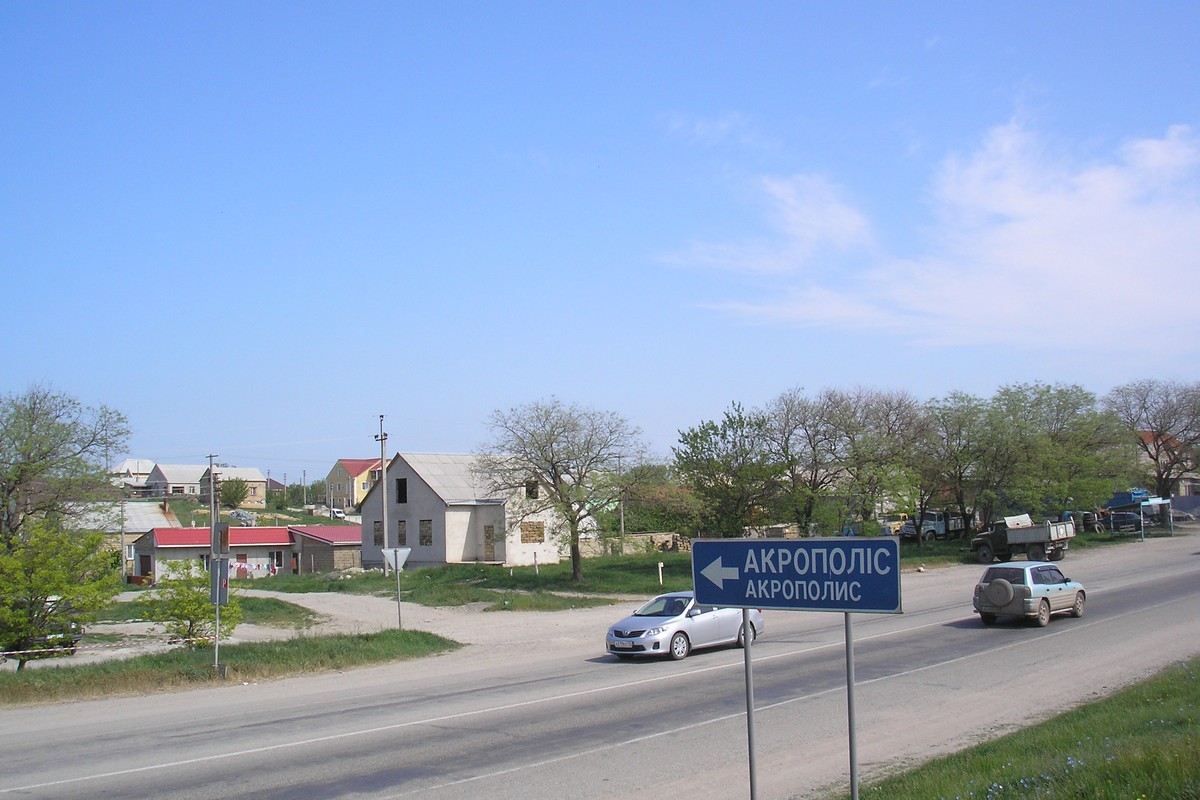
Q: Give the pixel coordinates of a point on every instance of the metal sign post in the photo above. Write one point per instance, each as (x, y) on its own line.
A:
(395, 558)
(852, 574)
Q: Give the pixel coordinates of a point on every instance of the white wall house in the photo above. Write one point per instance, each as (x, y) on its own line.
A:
(447, 514)
(175, 479)
(253, 552)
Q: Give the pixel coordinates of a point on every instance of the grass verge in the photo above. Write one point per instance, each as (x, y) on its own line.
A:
(1141, 743)
(183, 668)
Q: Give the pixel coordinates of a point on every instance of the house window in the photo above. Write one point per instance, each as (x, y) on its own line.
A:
(277, 558)
(378, 533)
(176, 490)
(401, 490)
(401, 533)
(426, 533)
(253, 491)
(531, 490)
(533, 532)
(364, 486)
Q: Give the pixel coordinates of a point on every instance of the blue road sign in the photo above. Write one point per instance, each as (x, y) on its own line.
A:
(852, 574)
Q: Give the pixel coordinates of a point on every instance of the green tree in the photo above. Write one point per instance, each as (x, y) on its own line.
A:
(656, 501)
(53, 453)
(233, 492)
(53, 583)
(181, 602)
(728, 465)
(571, 454)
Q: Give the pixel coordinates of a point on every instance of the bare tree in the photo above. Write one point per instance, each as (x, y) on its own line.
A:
(1165, 417)
(53, 453)
(802, 443)
(570, 457)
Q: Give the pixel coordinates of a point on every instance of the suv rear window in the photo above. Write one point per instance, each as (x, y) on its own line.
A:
(1014, 575)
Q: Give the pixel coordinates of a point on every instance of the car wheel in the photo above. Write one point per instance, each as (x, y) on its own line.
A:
(1000, 592)
(1005, 557)
(987, 619)
(1036, 553)
(741, 642)
(680, 646)
(927, 537)
(984, 554)
(1043, 615)
(1077, 609)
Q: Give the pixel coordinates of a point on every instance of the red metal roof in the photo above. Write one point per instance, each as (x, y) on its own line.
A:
(357, 466)
(331, 534)
(238, 537)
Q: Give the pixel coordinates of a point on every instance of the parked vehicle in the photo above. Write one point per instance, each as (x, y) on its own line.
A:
(674, 624)
(935, 525)
(1118, 521)
(1019, 534)
(891, 524)
(337, 513)
(1034, 590)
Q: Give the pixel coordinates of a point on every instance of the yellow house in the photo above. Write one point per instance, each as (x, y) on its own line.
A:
(349, 481)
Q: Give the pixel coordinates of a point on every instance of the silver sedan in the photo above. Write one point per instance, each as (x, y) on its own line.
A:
(674, 624)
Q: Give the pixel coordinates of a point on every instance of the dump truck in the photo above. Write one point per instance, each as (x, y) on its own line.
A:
(1020, 534)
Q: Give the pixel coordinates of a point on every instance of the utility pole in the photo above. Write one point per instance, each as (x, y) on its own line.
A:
(381, 437)
(214, 564)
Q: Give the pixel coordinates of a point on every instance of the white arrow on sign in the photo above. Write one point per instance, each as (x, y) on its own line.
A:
(718, 573)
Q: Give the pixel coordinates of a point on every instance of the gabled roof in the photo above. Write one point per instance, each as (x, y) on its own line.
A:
(133, 467)
(452, 477)
(357, 466)
(247, 474)
(330, 534)
(202, 537)
(181, 473)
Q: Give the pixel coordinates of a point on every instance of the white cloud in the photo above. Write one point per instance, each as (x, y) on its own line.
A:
(708, 130)
(809, 217)
(1027, 248)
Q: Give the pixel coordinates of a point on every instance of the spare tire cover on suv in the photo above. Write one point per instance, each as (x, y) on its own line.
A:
(999, 592)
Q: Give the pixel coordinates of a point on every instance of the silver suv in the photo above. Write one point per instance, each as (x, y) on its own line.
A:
(1034, 589)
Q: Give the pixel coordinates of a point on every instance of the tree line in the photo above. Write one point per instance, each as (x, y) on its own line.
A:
(837, 458)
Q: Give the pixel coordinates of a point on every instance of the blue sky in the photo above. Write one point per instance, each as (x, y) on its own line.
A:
(255, 227)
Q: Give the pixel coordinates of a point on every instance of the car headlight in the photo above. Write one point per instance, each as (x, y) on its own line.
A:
(654, 631)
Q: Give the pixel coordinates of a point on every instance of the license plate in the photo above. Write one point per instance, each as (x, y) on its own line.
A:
(620, 645)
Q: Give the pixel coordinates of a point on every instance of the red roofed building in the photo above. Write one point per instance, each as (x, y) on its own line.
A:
(253, 552)
(326, 548)
(349, 481)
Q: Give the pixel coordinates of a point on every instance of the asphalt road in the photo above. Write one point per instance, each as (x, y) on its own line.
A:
(542, 712)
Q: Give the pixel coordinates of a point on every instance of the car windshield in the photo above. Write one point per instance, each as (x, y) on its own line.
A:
(665, 606)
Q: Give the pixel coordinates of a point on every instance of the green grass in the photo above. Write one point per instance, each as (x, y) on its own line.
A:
(1141, 743)
(184, 668)
(267, 611)
(548, 587)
